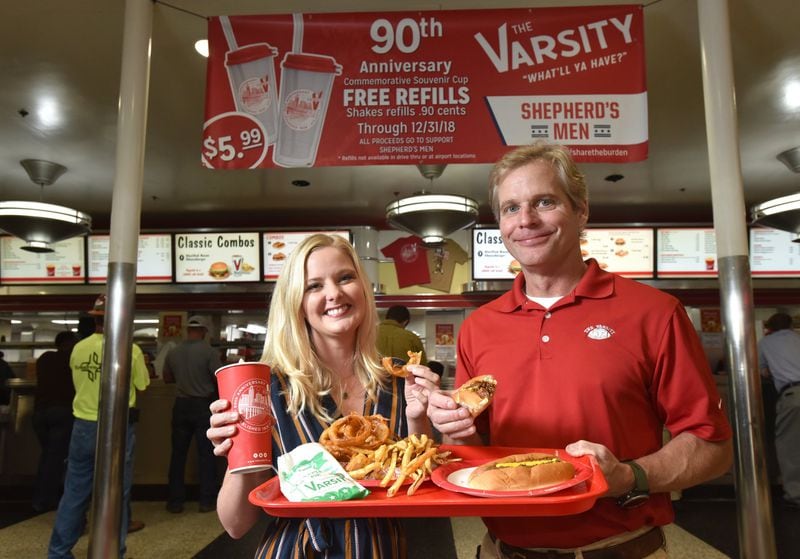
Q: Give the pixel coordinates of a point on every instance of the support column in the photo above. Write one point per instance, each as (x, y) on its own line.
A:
(112, 420)
(756, 536)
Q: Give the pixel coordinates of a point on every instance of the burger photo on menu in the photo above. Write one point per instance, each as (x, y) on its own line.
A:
(219, 270)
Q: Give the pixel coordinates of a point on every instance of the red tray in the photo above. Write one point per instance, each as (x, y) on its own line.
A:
(431, 500)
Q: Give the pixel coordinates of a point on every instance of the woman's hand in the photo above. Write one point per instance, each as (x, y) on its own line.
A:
(419, 385)
(223, 426)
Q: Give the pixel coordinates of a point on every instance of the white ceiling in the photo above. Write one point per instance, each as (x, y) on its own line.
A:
(67, 54)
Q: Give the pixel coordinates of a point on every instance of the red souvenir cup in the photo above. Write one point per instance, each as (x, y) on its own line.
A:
(246, 387)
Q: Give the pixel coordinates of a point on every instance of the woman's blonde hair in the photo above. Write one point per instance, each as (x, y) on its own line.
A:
(572, 179)
(288, 346)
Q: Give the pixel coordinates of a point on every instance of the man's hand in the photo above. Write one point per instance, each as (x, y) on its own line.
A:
(618, 475)
(451, 420)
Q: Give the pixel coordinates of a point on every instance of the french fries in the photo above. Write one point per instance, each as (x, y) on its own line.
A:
(366, 449)
(410, 458)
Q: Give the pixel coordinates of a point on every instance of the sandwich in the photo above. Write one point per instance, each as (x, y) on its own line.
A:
(476, 394)
(396, 366)
(514, 267)
(521, 472)
(219, 270)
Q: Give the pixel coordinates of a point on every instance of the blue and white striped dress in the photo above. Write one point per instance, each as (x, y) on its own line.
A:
(331, 538)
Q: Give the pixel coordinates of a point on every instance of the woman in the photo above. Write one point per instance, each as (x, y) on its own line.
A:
(321, 347)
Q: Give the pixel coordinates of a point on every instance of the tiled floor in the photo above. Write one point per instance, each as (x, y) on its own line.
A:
(705, 528)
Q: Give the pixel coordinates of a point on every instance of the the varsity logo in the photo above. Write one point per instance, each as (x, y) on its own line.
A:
(598, 332)
(251, 400)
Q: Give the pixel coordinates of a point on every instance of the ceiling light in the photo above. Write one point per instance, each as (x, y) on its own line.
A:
(41, 224)
(781, 213)
(64, 321)
(791, 158)
(791, 95)
(145, 321)
(432, 216)
(201, 47)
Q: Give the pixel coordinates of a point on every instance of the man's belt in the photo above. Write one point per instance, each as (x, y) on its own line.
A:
(787, 387)
(637, 548)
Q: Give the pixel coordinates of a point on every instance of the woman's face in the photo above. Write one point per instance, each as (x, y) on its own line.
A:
(333, 302)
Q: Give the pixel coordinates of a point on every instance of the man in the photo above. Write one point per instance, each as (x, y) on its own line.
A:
(6, 373)
(394, 339)
(588, 361)
(779, 358)
(52, 420)
(86, 363)
(191, 365)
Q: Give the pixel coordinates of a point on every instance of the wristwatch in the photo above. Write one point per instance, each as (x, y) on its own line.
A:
(641, 489)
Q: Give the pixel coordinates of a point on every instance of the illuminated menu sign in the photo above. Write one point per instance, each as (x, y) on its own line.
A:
(627, 252)
(154, 262)
(216, 257)
(490, 259)
(278, 245)
(64, 265)
(773, 254)
(686, 253)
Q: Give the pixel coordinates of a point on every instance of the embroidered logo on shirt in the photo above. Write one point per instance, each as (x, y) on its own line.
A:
(598, 332)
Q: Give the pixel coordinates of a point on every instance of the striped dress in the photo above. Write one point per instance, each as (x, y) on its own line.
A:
(332, 538)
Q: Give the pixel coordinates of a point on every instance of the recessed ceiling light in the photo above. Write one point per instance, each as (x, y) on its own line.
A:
(201, 47)
(791, 95)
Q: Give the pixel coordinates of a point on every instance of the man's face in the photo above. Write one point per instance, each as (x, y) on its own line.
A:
(539, 226)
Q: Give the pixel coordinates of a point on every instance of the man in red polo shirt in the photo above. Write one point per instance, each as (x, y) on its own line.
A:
(587, 361)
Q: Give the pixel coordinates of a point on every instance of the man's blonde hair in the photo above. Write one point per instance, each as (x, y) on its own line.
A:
(572, 179)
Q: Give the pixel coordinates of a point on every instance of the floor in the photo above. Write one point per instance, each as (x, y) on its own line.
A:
(705, 528)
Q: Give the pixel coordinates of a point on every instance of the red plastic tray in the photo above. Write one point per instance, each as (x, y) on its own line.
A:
(431, 500)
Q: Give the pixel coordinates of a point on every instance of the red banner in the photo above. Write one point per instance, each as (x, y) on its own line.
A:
(424, 87)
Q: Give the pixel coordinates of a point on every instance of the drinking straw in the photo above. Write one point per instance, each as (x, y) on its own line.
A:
(228, 30)
(297, 38)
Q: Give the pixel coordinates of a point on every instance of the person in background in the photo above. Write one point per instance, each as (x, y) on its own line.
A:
(436, 367)
(191, 365)
(394, 339)
(5, 374)
(52, 420)
(585, 361)
(779, 359)
(86, 363)
(321, 348)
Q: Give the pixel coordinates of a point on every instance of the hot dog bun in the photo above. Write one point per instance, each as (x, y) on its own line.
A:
(521, 472)
(476, 394)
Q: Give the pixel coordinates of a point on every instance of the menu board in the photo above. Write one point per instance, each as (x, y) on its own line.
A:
(216, 257)
(279, 245)
(62, 266)
(154, 261)
(686, 252)
(627, 252)
(773, 254)
(490, 259)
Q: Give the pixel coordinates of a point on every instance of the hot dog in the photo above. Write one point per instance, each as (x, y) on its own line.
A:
(521, 472)
(476, 394)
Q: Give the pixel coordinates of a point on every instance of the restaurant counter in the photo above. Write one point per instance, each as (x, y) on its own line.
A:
(19, 448)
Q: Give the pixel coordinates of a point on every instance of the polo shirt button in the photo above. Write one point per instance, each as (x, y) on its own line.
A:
(547, 314)
(545, 338)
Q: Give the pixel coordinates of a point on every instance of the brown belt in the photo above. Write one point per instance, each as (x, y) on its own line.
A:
(637, 548)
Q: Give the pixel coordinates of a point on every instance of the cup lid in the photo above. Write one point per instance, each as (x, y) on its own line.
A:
(249, 53)
(311, 62)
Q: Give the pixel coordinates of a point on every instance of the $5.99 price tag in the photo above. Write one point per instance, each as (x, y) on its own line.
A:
(233, 140)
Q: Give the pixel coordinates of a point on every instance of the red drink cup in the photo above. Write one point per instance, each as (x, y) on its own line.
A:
(246, 387)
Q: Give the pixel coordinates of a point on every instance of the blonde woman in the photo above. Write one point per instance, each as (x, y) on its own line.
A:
(321, 348)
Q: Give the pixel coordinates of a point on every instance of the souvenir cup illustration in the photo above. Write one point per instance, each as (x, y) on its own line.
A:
(251, 71)
(306, 82)
(246, 387)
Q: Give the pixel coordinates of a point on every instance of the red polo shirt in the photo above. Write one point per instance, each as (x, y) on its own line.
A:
(612, 362)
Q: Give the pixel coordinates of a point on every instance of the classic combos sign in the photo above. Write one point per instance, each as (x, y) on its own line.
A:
(435, 87)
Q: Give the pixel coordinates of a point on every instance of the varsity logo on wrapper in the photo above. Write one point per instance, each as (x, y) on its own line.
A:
(246, 387)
